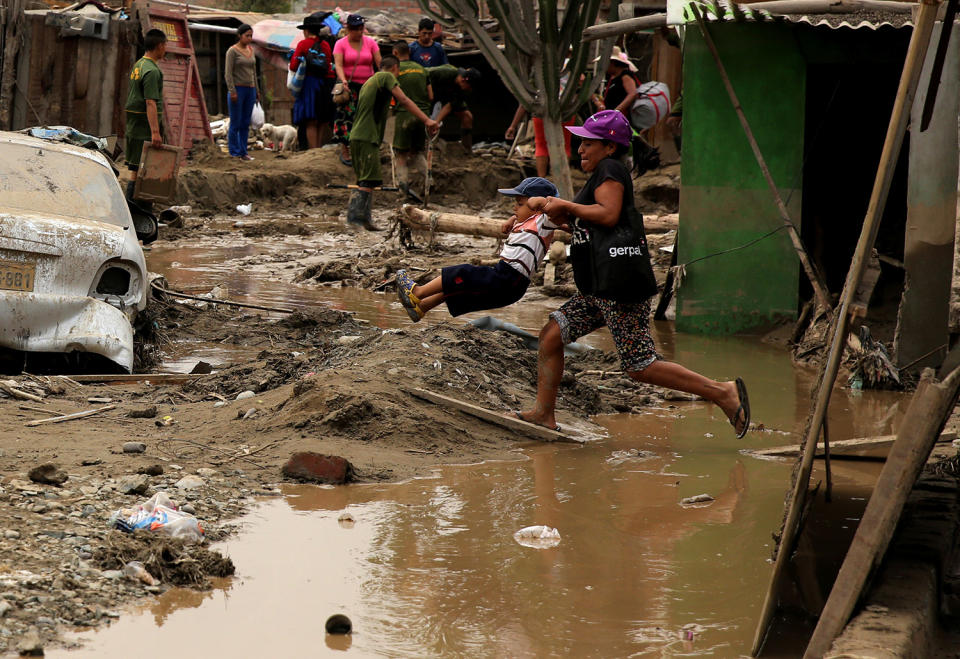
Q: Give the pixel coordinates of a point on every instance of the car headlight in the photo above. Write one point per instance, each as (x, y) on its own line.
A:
(114, 281)
(118, 283)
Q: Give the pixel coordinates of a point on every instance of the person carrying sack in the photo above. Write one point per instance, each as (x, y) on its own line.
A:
(611, 267)
(313, 108)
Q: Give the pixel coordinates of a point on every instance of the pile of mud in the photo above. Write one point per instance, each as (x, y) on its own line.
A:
(216, 182)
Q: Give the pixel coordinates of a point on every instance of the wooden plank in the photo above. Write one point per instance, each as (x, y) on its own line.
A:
(877, 447)
(929, 409)
(496, 418)
(70, 417)
(156, 378)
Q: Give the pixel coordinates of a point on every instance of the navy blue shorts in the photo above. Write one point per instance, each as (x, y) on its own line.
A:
(480, 287)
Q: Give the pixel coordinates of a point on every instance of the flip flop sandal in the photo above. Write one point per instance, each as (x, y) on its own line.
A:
(405, 286)
(519, 415)
(744, 408)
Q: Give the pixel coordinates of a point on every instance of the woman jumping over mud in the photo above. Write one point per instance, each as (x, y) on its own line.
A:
(601, 209)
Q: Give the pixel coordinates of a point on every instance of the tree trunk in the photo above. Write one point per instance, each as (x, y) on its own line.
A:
(559, 165)
(469, 225)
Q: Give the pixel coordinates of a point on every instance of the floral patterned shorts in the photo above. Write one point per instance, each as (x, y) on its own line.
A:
(629, 323)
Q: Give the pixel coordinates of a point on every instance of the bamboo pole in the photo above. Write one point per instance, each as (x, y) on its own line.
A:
(929, 409)
(909, 80)
(813, 274)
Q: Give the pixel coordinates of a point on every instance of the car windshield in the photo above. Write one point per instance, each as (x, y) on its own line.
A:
(49, 181)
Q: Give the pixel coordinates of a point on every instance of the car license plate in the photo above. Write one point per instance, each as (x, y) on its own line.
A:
(17, 276)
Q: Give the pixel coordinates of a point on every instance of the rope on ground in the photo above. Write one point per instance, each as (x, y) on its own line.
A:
(229, 303)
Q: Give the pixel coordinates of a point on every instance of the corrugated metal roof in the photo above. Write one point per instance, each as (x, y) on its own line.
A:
(727, 11)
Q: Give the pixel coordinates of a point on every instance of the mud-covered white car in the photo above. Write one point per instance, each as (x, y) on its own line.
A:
(72, 272)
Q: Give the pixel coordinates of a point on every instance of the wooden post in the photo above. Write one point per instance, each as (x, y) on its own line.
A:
(928, 412)
(909, 80)
(813, 274)
(13, 27)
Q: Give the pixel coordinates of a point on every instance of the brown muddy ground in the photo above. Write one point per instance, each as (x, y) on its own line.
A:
(321, 381)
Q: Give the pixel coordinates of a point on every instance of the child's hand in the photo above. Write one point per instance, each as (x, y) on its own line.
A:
(508, 225)
(555, 208)
(536, 204)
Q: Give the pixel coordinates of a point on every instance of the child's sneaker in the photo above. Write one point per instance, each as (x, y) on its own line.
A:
(410, 302)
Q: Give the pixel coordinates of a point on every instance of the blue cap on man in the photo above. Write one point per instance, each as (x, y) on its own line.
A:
(535, 186)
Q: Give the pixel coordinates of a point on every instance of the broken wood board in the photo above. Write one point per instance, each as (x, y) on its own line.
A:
(863, 447)
(156, 378)
(496, 418)
(70, 417)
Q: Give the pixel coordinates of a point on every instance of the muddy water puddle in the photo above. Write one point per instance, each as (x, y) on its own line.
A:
(430, 567)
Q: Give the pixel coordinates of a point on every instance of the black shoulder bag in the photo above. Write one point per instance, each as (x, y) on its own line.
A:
(621, 265)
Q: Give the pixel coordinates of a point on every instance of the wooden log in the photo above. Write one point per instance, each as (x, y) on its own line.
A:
(929, 409)
(13, 392)
(70, 417)
(472, 225)
(124, 378)
(497, 418)
(616, 28)
(869, 447)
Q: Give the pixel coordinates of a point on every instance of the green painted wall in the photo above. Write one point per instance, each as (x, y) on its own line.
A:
(724, 199)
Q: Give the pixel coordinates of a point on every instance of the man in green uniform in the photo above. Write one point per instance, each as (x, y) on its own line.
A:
(408, 134)
(369, 122)
(145, 101)
(451, 87)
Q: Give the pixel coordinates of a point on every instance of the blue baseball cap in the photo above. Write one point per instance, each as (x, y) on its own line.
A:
(534, 186)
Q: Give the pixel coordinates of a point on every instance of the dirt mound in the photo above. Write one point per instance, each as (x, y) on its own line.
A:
(171, 560)
(219, 183)
(275, 228)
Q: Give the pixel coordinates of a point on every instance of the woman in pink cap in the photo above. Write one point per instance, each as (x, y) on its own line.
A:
(604, 202)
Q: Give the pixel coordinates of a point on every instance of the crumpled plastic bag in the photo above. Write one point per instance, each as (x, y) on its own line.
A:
(257, 117)
(538, 537)
(160, 514)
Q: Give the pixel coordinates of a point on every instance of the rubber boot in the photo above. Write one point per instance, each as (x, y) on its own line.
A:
(466, 139)
(355, 208)
(368, 213)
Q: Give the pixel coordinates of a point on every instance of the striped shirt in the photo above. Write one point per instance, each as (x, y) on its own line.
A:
(527, 244)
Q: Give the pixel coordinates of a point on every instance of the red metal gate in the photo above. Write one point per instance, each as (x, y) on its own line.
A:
(184, 107)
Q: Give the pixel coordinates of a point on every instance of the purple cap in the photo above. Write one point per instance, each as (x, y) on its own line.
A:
(605, 125)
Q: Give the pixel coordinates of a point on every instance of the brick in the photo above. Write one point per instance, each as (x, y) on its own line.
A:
(318, 468)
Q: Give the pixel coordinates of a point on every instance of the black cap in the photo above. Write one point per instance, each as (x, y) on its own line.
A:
(355, 20)
(471, 75)
(314, 21)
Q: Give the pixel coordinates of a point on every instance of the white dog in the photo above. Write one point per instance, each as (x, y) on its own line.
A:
(284, 138)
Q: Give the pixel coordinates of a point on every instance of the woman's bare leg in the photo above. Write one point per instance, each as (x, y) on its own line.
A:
(312, 129)
(549, 371)
(675, 376)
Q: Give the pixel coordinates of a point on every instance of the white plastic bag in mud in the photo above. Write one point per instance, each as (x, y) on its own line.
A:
(652, 105)
(256, 117)
(538, 537)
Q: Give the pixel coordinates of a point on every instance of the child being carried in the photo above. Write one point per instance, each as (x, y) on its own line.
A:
(466, 287)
